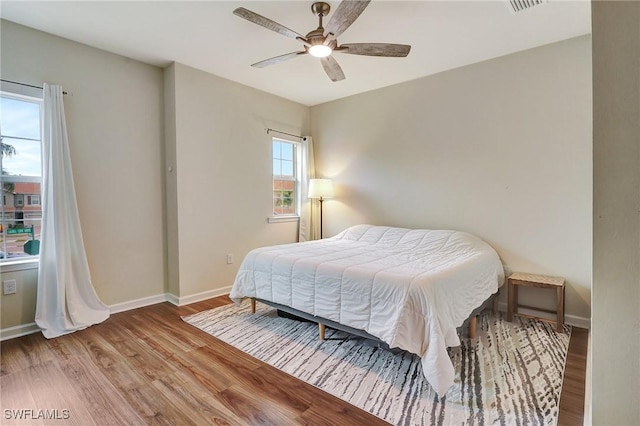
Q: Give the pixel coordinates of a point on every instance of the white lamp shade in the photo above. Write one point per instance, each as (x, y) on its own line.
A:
(320, 188)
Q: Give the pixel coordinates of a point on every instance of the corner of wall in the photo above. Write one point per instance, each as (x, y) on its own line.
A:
(170, 183)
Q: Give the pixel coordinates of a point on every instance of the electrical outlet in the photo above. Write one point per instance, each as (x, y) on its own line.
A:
(9, 287)
(229, 259)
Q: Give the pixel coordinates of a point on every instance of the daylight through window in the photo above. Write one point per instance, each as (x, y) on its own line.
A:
(21, 164)
(285, 178)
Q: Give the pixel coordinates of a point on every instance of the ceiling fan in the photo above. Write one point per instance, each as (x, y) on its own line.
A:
(322, 42)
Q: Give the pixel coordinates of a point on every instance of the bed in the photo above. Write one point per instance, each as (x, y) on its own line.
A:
(410, 288)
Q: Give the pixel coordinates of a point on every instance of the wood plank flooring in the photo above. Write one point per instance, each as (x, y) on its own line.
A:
(147, 366)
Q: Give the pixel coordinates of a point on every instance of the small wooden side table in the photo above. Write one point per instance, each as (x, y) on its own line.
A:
(531, 280)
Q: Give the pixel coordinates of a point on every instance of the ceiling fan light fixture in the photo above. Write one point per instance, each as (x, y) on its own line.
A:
(320, 51)
(322, 42)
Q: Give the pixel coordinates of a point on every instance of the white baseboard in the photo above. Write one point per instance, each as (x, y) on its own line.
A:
(30, 328)
(18, 331)
(169, 297)
(572, 320)
(198, 297)
(576, 321)
(24, 329)
(173, 299)
(138, 303)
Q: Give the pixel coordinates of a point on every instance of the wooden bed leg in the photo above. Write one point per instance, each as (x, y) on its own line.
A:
(495, 305)
(321, 331)
(253, 306)
(472, 328)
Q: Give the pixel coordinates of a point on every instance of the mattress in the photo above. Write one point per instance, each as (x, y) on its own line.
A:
(411, 288)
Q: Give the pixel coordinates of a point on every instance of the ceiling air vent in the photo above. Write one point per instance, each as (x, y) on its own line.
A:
(520, 5)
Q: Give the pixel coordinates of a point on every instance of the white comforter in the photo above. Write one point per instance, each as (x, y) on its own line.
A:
(410, 288)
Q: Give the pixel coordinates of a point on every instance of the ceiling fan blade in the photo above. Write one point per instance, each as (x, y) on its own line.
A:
(278, 59)
(375, 49)
(346, 13)
(332, 68)
(265, 22)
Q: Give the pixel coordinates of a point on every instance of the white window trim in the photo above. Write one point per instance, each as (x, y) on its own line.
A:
(283, 218)
(13, 265)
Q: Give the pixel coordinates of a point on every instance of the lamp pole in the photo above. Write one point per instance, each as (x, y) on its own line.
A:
(321, 200)
(320, 189)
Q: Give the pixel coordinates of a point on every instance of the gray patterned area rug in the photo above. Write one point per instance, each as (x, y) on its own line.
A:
(510, 375)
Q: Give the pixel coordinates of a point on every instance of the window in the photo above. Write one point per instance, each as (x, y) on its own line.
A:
(21, 164)
(285, 178)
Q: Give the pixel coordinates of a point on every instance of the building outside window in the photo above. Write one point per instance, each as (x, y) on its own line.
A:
(285, 178)
(21, 164)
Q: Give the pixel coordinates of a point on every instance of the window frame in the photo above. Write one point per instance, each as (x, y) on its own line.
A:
(31, 198)
(297, 158)
(27, 261)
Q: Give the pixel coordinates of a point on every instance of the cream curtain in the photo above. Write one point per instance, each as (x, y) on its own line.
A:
(309, 228)
(66, 300)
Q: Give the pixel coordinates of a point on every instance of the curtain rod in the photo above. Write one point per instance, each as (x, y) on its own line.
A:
(25, 84)
(284, 133)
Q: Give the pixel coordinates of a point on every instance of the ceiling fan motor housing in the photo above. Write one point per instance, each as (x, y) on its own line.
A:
(317, 37)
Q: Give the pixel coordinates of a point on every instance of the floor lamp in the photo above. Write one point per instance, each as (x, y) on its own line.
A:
(320, 189)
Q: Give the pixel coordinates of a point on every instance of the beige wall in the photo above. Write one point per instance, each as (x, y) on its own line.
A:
(19, 308)
(114, 118)
(616, 224)
(501, 149)
(136, 213)
(222, 175)
(513, 132)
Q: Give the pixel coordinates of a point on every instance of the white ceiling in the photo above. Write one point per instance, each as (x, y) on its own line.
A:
(206, 35)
